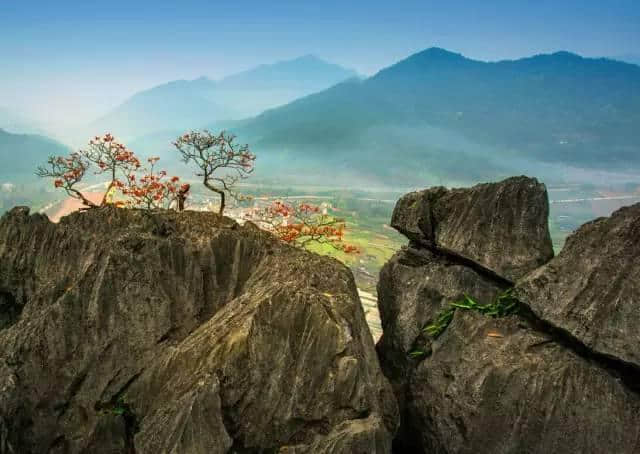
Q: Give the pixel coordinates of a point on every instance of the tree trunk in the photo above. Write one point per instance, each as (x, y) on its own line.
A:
(221, 202)
(104, 198)
(219, 192)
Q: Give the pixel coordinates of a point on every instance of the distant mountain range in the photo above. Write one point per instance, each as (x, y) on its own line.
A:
(20, 154)
(185, 104)
(435, 117)
(628, 58)
(17, 123)
(438, 113)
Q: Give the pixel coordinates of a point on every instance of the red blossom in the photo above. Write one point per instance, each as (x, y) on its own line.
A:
(302, 224)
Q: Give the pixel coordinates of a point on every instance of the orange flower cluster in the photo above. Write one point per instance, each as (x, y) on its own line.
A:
(151, 190)
(67, 172)
(303, 224)
(110, 155)
(308, 208)
(70, 169)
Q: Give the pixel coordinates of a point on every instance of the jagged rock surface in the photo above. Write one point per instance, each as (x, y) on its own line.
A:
(521, 383)
(414, 286)
(500, 226)
(592, 289)
(149, 332)
(501, 386)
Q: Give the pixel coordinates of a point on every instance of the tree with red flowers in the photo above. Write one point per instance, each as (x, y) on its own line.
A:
(301, 224)
(110, 157)
(151, 190)
(221, 161)
(67, 172)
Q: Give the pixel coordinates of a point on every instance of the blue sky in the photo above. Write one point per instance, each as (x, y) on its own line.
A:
(78, 58)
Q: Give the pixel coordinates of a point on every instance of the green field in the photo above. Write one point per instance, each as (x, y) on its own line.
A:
(367, 215)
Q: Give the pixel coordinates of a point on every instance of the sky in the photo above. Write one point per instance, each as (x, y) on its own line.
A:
(67, 61)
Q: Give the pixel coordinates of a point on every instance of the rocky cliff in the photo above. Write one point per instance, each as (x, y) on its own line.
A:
(126, 331)
(537, 354)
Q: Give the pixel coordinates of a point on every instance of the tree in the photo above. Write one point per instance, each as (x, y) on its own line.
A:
(221, 162)
(302, 224)
(67, 171)
(110, 156)
(153, 189)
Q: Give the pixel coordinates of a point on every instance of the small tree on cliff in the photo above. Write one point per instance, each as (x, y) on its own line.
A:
(110, 156)
(302, 224)
(153, 189)
(67, 172)
(221, 162)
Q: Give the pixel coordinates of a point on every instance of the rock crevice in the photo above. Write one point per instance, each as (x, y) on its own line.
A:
(518, 383)
(628, 373)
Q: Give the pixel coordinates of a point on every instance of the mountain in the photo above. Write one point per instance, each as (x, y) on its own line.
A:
(17, 123)
(303, 74)
(192, 103)
(628, 58)
(438, 114)
(20, 154)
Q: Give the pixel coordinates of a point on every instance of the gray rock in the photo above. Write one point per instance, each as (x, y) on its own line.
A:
(500, 226)
(591, 290)
(415, 286)
(560, 377)
(180, 333)
(498, 386)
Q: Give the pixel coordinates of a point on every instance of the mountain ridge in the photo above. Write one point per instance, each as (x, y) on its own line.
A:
(184, 103)
(34, 150)
(548, 109)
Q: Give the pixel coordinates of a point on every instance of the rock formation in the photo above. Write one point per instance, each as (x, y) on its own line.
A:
(499, 226)
(591, 290)
(127, 331)
(558, 375)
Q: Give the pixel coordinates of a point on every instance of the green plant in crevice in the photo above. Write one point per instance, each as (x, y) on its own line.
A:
(121, 407)
(504, 305)
(417, 353)
(441, 322)
(118, 406)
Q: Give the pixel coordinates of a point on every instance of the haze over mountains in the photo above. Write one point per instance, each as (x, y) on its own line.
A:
(15, 122)
(439, 113)
(20, 154)
(628, 58)
(435, 117)
(191, 103)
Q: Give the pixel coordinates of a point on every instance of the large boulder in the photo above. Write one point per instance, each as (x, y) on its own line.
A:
(457, 241)
(134, 331)
(415, 286)
(591, 290)
(502, 386)
(560, 375)
(500, 226)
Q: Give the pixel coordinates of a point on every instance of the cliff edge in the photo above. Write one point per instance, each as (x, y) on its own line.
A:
(129, 331)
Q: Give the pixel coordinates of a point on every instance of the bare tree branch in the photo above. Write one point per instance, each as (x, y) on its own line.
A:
(213, 154)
